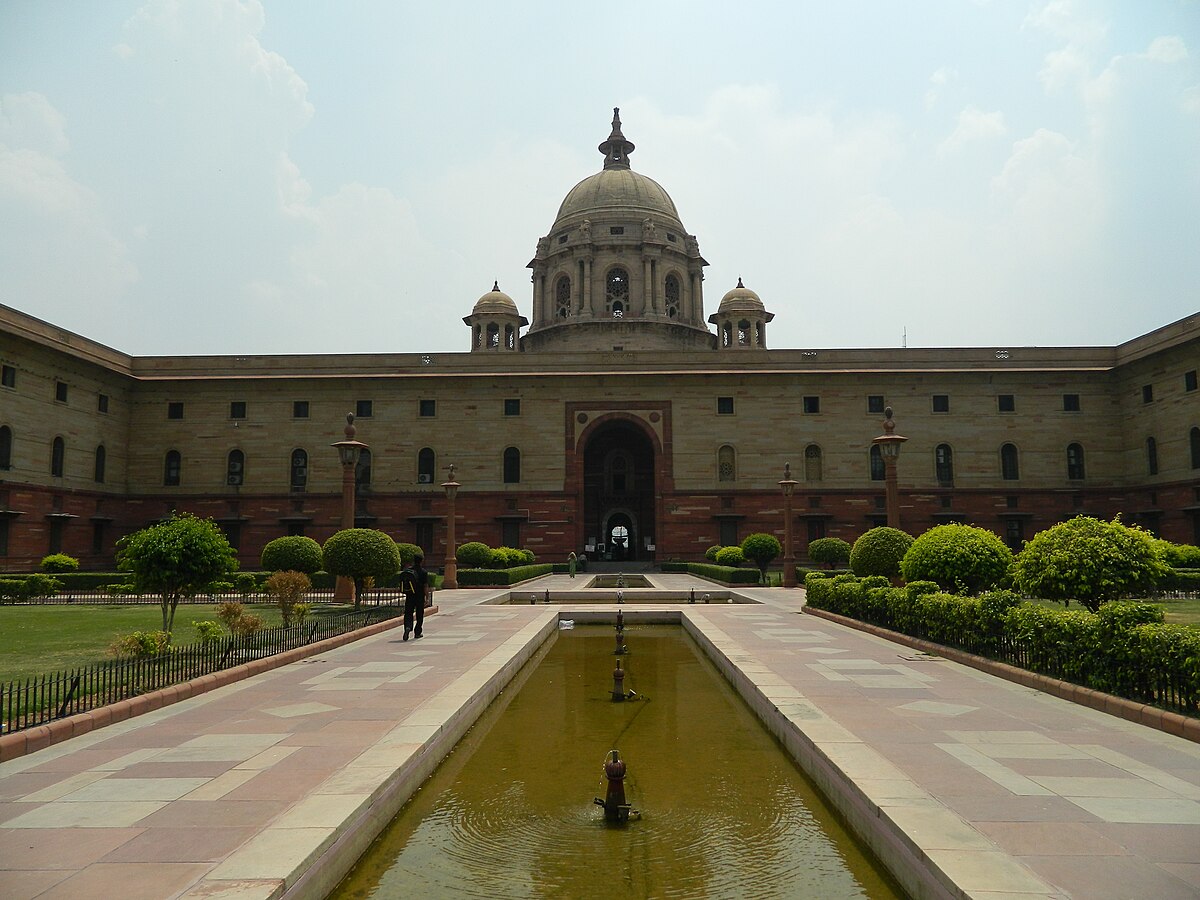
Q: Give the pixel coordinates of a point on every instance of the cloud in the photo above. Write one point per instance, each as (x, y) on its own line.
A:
(29, 122)
(937, 85)
(973, 125)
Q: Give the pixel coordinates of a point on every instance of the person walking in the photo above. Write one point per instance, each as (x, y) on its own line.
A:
(414, 581)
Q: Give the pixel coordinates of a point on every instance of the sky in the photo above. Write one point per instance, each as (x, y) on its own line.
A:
(253, 176)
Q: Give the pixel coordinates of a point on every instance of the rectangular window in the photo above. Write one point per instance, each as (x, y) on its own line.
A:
(237, 409)
(941, 403)
(299, 409)
(1070, 403)
(98, 537)
(816, 529)
(175, 410)
(512, 407)
(725, 408)
(875, 403)
(1147, 393)
(510, 533)
(1007, 403)
(426, 409)
(8, 376)
(728, 532)
(60, 391)
(616, 229)
(102, 403)
(812, 405)
(1189, 380)
(362, 409)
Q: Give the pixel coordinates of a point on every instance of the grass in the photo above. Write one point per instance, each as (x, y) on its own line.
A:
(38, 640)
(1179, 612)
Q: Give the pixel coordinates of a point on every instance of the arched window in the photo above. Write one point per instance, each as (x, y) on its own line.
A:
(6, 442)
(562, 297)
(1075, 462)
(58, 452)
(760, 334)
(743, 333)
(235, 468)
(726, 464)
(812, 463)
(1151, 456)
(512, 465)
(426, 462)
(478, 337)
(616, 291)
(172, 464)
(618, 472)
(878, 471)
(510, 338)
(1194, 441)
(727, 335)
(943, 463)
(101, 459)
(672, 295)
(493, 336)
(1010, 465)
(362, 471)
(299, 470)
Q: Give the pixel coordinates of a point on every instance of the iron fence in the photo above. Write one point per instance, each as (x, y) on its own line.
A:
(30, 702)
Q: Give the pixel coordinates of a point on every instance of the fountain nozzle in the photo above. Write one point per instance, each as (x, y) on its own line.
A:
(615, 808)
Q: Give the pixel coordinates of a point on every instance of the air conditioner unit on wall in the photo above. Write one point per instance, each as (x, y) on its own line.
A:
(424, 479)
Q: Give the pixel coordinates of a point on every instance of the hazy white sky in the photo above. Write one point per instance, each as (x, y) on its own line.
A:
(214, 176)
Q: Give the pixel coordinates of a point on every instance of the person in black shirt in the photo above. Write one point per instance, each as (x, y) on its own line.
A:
(414, 581)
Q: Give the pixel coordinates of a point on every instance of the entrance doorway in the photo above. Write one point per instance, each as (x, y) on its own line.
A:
(618, 493)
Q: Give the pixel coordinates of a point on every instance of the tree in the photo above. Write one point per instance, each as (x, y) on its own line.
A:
(359, 554)
(176, 558)
(879, 551)
(830, 552)
(292, 553)
(1089, 560)
(962, 559)
(761, 549)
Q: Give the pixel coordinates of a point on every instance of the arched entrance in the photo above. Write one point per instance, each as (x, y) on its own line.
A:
(618, 492)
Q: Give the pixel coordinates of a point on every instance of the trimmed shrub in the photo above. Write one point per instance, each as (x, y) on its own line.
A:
(474, 555)
(1179, 556)
(59, 562)
(711, 553)
(731, 557)
(245, 583)
(724, 574)
(761, 549)
(361, 553)
(293, 553)
(1090, 561)
(208, 631)
(408, 553)
(39, 585)
(507, 558)
(495, 577)
(1164, 658)
(960, 558)
(1181, 580)
(830, 552)
(879, 551)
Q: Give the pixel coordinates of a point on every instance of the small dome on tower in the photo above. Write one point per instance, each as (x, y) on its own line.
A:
(741, 299)
(495, 302)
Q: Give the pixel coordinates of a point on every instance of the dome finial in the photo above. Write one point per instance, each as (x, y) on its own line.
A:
(740, 282)
(616, 149)
(496, 285)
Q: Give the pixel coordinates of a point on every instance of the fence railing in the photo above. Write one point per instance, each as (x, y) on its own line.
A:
(35, 701)
(102, 597)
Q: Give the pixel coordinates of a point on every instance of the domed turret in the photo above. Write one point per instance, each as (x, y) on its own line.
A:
(741, 320)
(495, 322)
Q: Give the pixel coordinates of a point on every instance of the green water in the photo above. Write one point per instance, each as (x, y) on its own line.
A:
(725, 813)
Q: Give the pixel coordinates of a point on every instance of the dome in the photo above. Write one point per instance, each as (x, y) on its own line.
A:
(495, 302)
(740, 299)
(618, 189)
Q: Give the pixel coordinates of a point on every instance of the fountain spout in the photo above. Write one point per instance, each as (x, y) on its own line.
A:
(616, 810)
(620, 596)
(618, 691)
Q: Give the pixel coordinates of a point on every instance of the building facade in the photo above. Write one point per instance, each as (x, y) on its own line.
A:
(612, 420)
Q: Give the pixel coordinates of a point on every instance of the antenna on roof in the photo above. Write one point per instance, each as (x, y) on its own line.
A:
(904, 338)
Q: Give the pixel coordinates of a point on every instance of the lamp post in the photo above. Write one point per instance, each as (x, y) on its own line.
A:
(889, 448)
(788, 486)
(450, 578)
(348, 451)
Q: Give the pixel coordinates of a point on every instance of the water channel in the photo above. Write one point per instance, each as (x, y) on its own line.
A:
(724, 811)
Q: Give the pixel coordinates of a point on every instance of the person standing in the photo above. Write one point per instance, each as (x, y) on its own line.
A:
(571, 560)
(414, 581)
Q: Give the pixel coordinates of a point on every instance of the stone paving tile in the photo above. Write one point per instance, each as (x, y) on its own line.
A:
(1112, 877)
(65, 848)
(17, 884)
(194, 843)
(129, 881)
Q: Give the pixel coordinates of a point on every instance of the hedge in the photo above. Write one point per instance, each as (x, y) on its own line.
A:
(724, 574)
(497, 577)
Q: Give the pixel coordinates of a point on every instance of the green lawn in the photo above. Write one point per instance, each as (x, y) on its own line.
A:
(1179, 612)
(38, 640)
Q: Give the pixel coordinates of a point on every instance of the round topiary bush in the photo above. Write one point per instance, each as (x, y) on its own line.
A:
(408, 552)
(962, 559)
(829, 551)
(474, 555)
(730, 556)
(879, 551)
(761, 548)
(293, 553)
(711, 553)
(59, 562)
(360, 554)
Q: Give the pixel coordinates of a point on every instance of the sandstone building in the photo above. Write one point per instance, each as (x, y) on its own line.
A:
(613, 419)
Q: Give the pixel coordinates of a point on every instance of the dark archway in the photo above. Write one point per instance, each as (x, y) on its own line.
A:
(618, 492)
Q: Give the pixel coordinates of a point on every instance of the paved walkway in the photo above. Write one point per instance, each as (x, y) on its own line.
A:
(240, 792)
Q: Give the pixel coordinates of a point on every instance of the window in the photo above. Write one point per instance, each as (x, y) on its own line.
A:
(875, 403)
(299, 409)
(1006, 403)
(4, 537)
(616, 292)
(1151, 456)
(362, 471)
(562, 297)
(512, 465)
(58, 451)
(298, 480)
(510, 533)
(512, 406)
(237, 409)
(56, 532)
(729, 536)
(1014, 534)
(725, 406)
(743, 335)
(812, 405)
(60, 391)
(362, 409)
(1075, 462)
(425, 466)
(98, 529)
(8, 376)
(1070, 403)
(102, 403)
(1189, 380)
(1147, 393)
(493, 336)
(98, 470)
(816, 529)
(172, 464)
(1010, 467)
(235, 468)
(943, 463)
(812, 463)
(426, 408)
(6, 442)
(1194, 443)
(175, 410)
(726, 464)
(941, 403)
(878, 471)
(672, 294)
